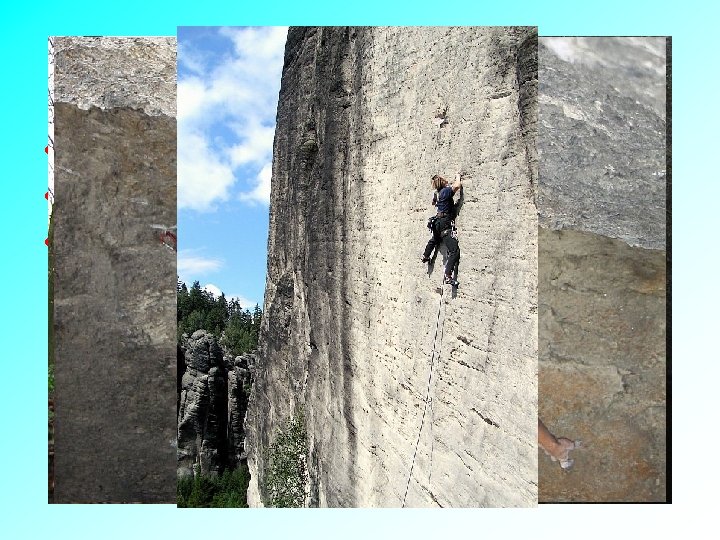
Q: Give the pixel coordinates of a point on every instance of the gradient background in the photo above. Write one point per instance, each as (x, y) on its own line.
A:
(24, 512)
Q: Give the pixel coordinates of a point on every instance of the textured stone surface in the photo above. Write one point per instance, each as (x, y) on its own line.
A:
(602, 138)
(602, 278)
(212, 401)
(239, 382)
(202, 410)
(351, 314)
(109, 72)
(602, 366)
(114, 286)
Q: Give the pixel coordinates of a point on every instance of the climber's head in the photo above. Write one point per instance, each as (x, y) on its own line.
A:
(438, 182)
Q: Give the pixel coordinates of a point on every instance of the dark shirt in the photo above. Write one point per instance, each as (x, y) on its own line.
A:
(445, 200)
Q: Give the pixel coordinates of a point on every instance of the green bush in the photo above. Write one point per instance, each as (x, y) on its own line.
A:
(184, 489)
(239, 337)
(228, 490)
(286, 474)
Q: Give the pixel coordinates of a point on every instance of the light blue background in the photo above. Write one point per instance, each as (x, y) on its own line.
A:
(24, 512)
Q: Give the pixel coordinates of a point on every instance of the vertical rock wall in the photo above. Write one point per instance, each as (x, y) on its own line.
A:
(212, 401)
(114, 280)
(602, 275)
(389, 375)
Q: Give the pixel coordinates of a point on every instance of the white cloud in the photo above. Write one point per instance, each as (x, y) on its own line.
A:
(261, 192)
(256, 146)
(191, 98)
(203, 178)
(264, 43)
(190, 59)
(241, 95)
(217, 292)
(244, 302)
(213, 289)
(188, 264)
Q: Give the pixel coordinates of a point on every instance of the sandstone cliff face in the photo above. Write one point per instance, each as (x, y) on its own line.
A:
(602, 275)
(212, 401)
(114, 280)
(408, 397)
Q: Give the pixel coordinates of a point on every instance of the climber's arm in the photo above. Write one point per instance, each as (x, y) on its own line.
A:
(457, 184)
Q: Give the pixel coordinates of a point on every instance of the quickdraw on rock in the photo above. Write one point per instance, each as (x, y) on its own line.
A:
(167, 237)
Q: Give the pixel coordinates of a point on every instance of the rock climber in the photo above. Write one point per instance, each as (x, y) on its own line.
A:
(442, 225)
(558, 448)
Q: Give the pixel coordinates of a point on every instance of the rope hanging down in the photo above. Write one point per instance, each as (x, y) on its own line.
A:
(427, 393)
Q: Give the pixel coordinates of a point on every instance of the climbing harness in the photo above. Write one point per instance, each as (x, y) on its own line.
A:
(451, 230)
(428, 399)
(431, 223)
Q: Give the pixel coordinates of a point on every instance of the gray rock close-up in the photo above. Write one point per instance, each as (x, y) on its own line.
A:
(114, 276)
(108, 72)
(601, 138)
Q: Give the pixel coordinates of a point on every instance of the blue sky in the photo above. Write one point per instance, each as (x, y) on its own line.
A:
(228, 84)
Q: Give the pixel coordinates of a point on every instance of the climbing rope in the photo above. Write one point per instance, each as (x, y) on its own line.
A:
(432, 410)
(427, 393)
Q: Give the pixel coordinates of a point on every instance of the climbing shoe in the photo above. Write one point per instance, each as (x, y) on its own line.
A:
(450, 281)
(424, 259)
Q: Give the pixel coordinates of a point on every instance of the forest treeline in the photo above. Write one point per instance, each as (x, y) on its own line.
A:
(198, 309)
(237, 330)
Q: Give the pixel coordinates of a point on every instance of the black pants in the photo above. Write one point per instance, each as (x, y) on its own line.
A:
(442, 232)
